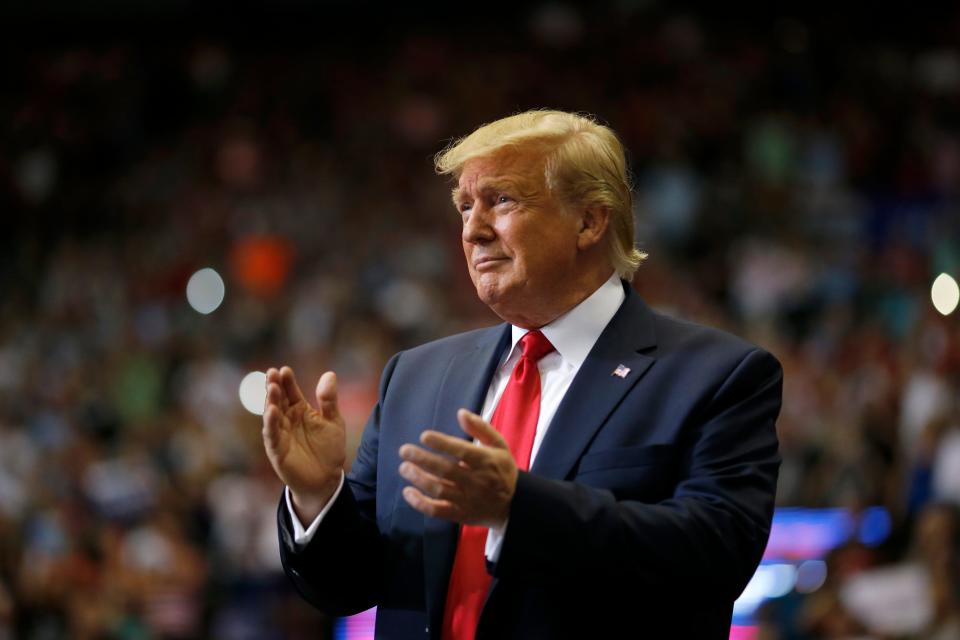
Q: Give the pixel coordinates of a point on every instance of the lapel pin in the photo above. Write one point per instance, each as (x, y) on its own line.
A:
(621, 371)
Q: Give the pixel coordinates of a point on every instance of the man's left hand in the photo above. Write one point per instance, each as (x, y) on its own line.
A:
(461, 481)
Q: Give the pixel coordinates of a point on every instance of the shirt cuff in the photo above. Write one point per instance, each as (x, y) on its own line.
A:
(494, 542)
(303, 536)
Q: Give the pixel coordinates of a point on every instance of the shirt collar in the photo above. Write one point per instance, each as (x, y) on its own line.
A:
(574, 333)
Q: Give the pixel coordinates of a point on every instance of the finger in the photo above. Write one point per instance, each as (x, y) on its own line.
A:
(456, 447)
(442, 466)
(429, 506)
(428, 483)
(290, 387)
(477, 427)
(273, 377)
(327, 396)
(275, 397)
(272, 425)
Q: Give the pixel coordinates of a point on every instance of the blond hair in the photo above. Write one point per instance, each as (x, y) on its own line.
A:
(584, 167)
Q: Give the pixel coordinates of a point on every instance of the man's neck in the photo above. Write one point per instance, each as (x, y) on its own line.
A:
(561, 305)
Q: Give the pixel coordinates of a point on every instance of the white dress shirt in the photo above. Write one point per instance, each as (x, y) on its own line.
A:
(572, 335)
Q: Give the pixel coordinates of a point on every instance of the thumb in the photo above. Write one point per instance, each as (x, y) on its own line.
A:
(477, 427)
(327, 396)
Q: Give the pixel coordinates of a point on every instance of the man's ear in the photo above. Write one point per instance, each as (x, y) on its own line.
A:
(593, 226)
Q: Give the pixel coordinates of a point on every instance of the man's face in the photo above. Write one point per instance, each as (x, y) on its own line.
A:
(519, 242)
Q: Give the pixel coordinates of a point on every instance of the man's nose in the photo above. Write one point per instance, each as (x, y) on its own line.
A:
(476, 227)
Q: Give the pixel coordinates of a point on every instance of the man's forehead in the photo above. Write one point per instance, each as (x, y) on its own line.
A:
(509, 164)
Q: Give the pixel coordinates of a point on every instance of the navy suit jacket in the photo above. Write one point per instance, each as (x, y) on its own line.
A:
(644, 515)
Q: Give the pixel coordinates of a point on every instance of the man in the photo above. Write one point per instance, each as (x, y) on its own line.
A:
(626, 483)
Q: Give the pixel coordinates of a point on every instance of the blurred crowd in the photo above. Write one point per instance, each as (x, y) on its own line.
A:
(796, 183)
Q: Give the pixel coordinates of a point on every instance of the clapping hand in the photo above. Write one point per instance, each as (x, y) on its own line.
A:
(305, 445)
(459, 480)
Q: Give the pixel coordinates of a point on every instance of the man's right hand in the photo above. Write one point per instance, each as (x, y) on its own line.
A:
(306, 446)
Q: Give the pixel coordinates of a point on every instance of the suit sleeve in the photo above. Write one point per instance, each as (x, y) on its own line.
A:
(339, 570)
(707, 538)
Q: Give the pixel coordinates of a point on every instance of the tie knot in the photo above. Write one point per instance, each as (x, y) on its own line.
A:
(535, 345)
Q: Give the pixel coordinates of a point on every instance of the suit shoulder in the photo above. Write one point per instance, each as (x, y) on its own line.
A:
(457, 343)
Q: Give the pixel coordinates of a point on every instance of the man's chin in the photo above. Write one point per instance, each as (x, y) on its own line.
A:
(491, 293)
(502, 301)
(489, 296)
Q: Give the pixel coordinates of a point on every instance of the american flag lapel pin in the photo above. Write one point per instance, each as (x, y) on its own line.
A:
(621, 371)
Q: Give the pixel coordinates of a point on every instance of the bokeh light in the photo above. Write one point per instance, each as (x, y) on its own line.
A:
(253, 392)
(261, 263)
(811, 574)
(205, 291)
(945, 294)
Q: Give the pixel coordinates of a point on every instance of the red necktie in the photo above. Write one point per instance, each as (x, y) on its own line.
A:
(515, 418)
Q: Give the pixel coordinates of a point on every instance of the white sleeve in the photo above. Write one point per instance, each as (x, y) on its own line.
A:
(494, 542)
(300, 535)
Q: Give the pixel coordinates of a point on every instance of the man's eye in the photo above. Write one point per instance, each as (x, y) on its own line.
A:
(501, 199)
(465, 206)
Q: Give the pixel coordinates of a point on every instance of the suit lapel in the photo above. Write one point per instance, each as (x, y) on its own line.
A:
(464, 385)
(596, 391)
(466, 379)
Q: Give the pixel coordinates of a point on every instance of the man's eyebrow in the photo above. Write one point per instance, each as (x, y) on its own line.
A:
(486, 185)
(496, 184)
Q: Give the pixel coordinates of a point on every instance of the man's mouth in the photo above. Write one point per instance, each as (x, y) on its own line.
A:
(488, 262)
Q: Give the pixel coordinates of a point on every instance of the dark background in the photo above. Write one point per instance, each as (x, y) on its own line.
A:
(797, 181)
